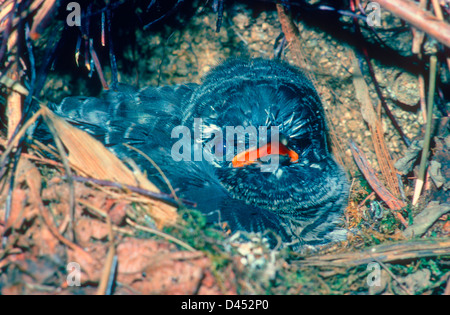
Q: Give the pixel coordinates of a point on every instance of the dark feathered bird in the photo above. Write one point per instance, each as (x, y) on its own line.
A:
(301, 197)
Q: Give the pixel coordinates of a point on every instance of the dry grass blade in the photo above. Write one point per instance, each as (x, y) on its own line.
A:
(423, 20)
(425, 219)
(89, 155)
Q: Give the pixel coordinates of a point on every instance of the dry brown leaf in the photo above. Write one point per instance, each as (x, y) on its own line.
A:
(135, 255)
(370, 116)
(91, 158)
(118, 212)
(91, 264)
(150, 267)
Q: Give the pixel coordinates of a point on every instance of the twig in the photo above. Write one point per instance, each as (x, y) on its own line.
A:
(293, 38)
(393, 276)
(68, 170)
(14, 103)
(112, 56)
(392, 202)
(13, 85)
(437, 10)
(423, 20)
(386, 253)
(365, 199)
(42, 17)
(374, 122)
(51, 226)
(218, 4)
(292, 35)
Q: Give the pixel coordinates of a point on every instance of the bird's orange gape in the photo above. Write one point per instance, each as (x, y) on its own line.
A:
(251, 155)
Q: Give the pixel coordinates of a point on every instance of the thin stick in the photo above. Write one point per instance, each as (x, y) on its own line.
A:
(157, 168)
(438, 11)
(162, 234)
(427, 140)
(97, 65)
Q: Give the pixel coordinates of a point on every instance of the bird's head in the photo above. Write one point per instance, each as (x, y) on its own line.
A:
(274, 150)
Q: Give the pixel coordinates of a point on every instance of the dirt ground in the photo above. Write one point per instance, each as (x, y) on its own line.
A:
(182, 50)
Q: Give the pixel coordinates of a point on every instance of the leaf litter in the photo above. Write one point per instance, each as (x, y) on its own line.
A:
(160, 249)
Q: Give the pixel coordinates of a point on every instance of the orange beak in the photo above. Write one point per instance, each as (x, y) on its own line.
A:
(251, 155)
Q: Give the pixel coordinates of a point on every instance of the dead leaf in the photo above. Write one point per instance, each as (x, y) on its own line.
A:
(91, 263)
(424, 220)
(88, 229)
(45, 11)
(150, 267)
(91, 158)
(135, 255)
